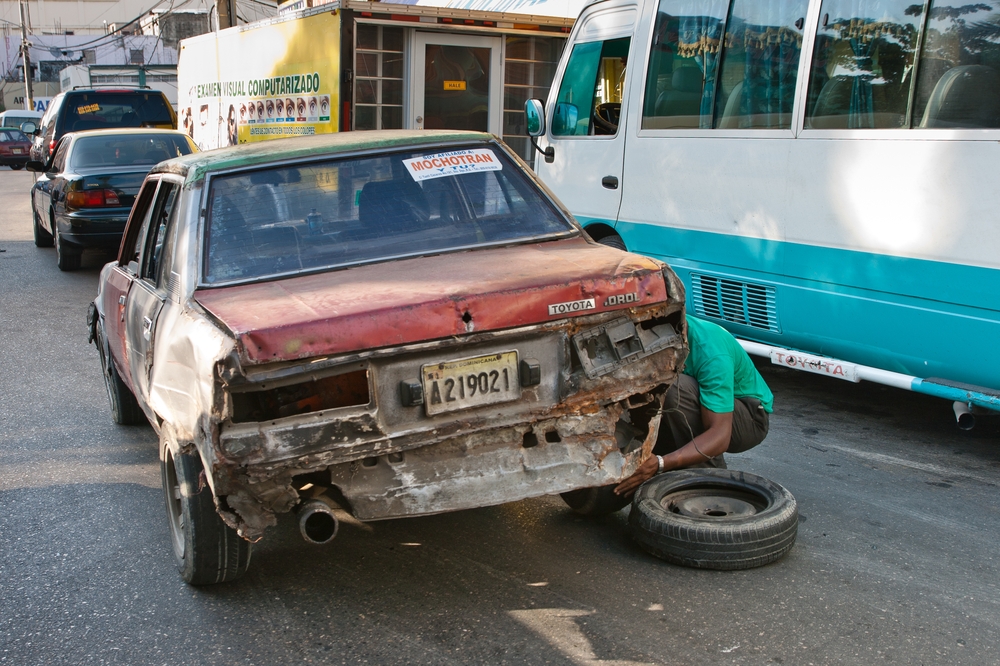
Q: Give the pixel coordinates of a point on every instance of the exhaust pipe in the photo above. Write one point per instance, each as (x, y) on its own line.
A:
(317, 522)
(964, 416)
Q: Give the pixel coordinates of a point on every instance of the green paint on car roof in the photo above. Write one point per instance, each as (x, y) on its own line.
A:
(197, 165)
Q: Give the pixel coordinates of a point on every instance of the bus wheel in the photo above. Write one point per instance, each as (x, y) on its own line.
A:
(714, 519)
(612, 240)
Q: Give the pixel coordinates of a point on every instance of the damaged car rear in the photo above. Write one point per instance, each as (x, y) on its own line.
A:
(374, 325)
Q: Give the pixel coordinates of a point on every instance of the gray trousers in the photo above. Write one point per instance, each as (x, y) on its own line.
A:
(681, 421)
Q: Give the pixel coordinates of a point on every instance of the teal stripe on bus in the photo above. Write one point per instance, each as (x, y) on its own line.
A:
(912, 316)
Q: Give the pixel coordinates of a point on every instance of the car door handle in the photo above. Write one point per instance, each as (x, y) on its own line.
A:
(610, 182)
(121, 300)
(147, 327)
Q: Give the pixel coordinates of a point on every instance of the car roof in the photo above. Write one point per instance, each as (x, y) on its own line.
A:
(120, 131)
(197, 165)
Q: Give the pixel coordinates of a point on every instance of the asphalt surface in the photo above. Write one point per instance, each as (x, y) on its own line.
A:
(896, 558)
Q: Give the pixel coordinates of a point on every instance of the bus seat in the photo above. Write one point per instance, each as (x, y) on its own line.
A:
(731, 114)
(833, 105)
(965, 96)
(684, 96)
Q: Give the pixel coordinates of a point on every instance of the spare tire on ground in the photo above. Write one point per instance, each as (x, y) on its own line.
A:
(714, 519)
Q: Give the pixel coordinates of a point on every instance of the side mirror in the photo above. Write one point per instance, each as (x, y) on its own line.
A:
(35, 165)
(28, 127)
(535, 115)
(564, 119)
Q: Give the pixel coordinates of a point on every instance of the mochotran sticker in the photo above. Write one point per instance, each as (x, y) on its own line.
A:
(452, 163)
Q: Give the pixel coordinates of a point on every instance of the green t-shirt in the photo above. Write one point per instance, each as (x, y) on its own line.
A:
(723, 370)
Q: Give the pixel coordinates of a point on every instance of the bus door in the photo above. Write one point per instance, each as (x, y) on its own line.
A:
(456, 83)
(586, 127)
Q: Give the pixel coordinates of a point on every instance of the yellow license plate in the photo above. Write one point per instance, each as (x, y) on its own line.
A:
(470, 382)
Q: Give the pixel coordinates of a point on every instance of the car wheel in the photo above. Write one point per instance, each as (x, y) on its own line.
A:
(595, 502)
(68, 258)
(125, 408)
(207, 550)
(15, 167)
(613, 240)
(42, 237)
(714, 519)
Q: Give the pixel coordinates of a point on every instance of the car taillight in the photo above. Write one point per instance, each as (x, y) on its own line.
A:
(52, 145)
(92, 199)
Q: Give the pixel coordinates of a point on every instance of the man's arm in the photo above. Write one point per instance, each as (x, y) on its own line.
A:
(712, 442)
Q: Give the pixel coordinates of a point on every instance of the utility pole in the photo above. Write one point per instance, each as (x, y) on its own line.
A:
(29, 97)
(226, 12)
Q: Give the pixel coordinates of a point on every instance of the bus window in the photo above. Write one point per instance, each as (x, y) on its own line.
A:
(590, 96)
(958, 76)
(682, 63)
(861, 65)
(760, 62)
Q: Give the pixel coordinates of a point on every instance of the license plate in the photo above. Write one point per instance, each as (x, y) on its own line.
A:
(16, 151)
(470, 382)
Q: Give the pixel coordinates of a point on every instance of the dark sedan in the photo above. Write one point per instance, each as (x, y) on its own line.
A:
(85, 192)
(14, 147)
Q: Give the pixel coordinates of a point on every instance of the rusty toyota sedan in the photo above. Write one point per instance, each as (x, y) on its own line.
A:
(371, 325)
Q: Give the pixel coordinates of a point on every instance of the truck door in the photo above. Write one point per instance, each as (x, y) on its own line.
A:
(456, 83)
(149, 290)
(586, 121)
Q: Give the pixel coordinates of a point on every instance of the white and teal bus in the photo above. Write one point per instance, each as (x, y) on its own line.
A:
(823, 174)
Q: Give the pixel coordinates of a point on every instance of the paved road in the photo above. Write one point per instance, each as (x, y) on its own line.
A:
(896, 559)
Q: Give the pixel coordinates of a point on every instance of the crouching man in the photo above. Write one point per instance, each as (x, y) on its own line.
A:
(720, 403)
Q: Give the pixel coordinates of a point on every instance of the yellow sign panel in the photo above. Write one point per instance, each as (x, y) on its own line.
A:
(454, 85)
(266, 82)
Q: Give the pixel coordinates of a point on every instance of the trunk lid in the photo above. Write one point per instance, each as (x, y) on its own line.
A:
(429, 298)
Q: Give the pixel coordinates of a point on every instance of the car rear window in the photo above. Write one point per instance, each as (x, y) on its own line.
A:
(142, 149)
(298, 218)
(9, 136)
(87, 111)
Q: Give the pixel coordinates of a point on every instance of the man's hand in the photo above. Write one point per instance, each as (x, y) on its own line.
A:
(646, 471)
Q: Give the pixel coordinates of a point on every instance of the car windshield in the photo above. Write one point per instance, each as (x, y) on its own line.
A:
(124, 150)
(87, 111)
(364, 209)
(12, 136)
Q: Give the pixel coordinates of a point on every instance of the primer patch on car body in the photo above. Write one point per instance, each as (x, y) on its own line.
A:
(452, 163)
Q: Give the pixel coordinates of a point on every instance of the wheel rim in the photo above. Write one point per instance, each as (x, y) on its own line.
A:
(714, 503)
(175, 512)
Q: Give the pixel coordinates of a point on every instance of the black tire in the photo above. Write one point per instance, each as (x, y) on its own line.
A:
(16, 167)
(714, 519)
(613, 240)
(207, 551)
(42, 237)
(125, 408)
(595, 502)
(67, 258)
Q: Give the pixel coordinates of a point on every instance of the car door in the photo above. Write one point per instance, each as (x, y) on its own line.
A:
(45, 191)
(119, 278)
(149, 288)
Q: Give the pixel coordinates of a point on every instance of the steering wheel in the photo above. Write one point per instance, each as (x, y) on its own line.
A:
(606, 117)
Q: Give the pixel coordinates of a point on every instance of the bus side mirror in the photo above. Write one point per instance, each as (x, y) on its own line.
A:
(535, 115)
(28, 127)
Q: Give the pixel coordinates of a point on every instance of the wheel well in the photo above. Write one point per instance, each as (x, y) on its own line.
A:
(598, 230)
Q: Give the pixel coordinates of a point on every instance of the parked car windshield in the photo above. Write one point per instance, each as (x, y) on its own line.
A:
(13, 136)
(363, 209)
(87, 111)
(143, 149)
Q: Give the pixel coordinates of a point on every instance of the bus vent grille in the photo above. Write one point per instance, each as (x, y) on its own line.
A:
(734, 301)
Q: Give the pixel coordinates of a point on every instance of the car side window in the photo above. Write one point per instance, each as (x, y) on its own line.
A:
(131, 243)
(156, 230)
(59, 160)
